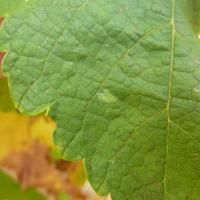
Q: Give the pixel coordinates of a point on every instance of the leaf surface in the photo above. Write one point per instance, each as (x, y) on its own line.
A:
(10, 7)
(193, 9)
(121, 80)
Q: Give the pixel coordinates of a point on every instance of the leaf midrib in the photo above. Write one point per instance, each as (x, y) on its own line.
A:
(169, 92)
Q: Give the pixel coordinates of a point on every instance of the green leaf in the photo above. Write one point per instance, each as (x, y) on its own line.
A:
(10, 190)
(193, 7)
(5, 99)
(122, 81)
(9, 7)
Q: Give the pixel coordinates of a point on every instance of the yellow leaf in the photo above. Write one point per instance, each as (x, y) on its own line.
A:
(16, 130)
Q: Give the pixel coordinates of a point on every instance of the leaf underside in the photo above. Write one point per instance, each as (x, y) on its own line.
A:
(121, 80)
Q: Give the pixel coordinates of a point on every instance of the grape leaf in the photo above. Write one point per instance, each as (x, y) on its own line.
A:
(121, 80)
(194, 13)
(10, 7)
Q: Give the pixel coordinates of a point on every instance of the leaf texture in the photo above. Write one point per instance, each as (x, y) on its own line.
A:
(194, 13)
(10, 7)
(121, 80)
